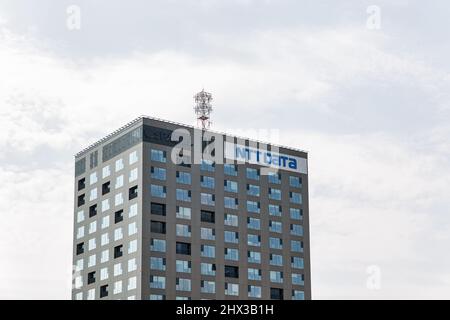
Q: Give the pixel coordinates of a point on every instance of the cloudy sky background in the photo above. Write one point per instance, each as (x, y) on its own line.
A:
(372, 107)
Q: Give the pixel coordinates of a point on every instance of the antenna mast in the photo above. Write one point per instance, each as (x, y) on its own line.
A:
(203, 108)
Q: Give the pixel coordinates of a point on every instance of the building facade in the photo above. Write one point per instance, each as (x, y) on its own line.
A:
(149, 226)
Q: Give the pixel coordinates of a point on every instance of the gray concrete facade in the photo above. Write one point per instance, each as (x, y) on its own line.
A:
(138, 271)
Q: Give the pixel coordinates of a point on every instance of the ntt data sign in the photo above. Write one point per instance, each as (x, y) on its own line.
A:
(266, 158)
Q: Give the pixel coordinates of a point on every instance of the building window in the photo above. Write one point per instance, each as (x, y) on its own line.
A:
(133, 158)
(275, 210)
(132, 246)
(254, 257)
(183, 266)
(105, 222)
(208, 251)
(231, 289)
(231, 220)
(157, 263)
(118, 251)
(207, 199)
(158, 227)
(119, 182)
(275, 226)
(81, 200)
(118, 235)
(207, 165)
(298, 279)
(118, 199)
(132, 193)
(254, 291)
(104, 257)
(231, 272)
(296, 214)
(132, 228)
(295, 197)
(157, 297)
(183, 195)
(183, 177)
(275, 243)
(132, 283)
(158, 191)
(158, 209)
(92, 211)
(207, 234)
(93, 178)
(276, 276)
(133, 176)
(296, 246)
(253, 206)
(158, 155)
(207, 216)
(117, 287)
(80, 248)
(295, 182)
(274, 177)
(276, 259)
(119, 165)
(253, 190)
(207, 182)
(183, 284)
(254, 274)
(274, 194)
(230, 186)
(133, 211)
(253, 223)
(132, 266)
(183, 213)
(80, 216)
(157, 282)
(231, 254)
(298, 295)
(183, 248)
(80, 232)
(296, 230)
(297, 262)
(104, 239)
(103, 274)
(231, 237)
(230, 203)
(93, 194)
(254, 240)
(207, 286)
(106, 172)
(183, 230)
(230, 169)
(118, 216)
(91, 244)
(158, 173)
(106, 188)
(91, 294)
(92, 260)
(252, 174)
(81, 184)
(105, 205)
(118, 269)
(208, 269)
(276, 294)
(91, 277)
(158, 245)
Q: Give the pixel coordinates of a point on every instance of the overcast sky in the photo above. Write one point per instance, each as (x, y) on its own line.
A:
(370, 102)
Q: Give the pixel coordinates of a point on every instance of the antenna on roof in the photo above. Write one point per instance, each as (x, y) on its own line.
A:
(203, 108)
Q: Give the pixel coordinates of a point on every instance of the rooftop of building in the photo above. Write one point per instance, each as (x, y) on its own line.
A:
(131, 124)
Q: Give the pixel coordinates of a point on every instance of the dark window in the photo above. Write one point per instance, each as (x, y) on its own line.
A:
(104, 291)
(91, 277)
(118, 251)
(183, 248)
(158, 227)
(106, 187)
(92, 210)
(132, 192)
(276, 294)
(121, 144)
(80, 167)
(158, 208)
(93, 159)
(207, 216)
(81, 200)
(118, 216)
(231, 272)
(80, 248)
(81, 184)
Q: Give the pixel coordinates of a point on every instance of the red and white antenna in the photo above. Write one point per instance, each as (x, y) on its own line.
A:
(203, 108)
